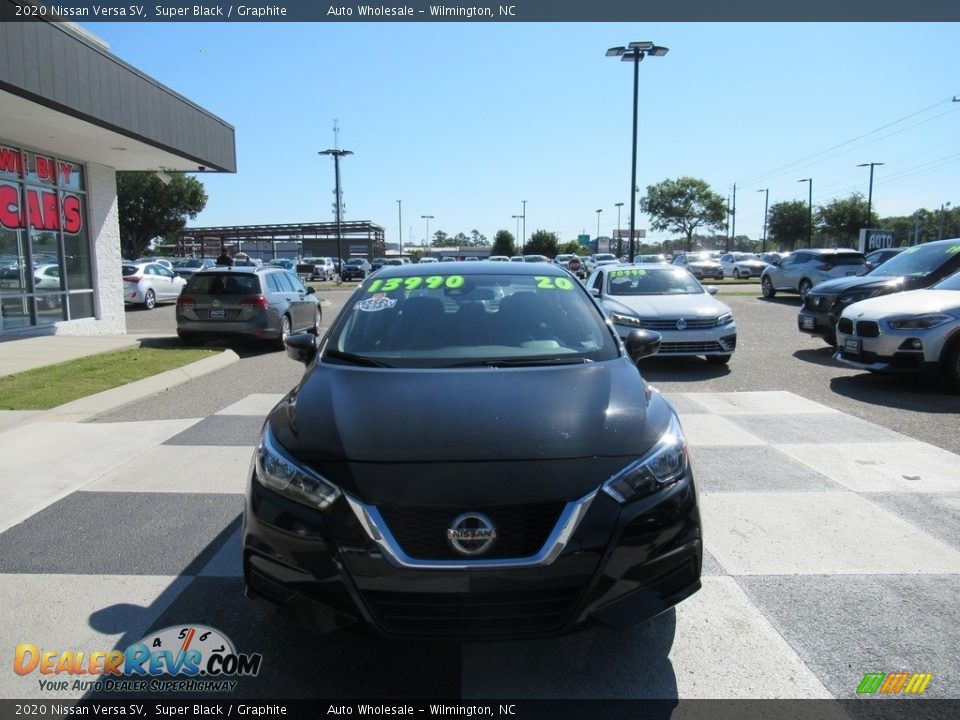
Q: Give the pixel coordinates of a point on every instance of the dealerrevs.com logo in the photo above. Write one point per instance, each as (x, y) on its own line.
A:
(894, 683)
(191, 658)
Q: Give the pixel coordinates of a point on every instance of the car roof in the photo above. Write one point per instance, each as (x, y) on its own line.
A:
(474, 268)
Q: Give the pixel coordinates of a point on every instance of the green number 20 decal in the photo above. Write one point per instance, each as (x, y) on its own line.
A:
(549, 283)
(433, 282)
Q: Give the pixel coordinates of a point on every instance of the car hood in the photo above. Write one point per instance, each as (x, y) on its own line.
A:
(666, 306)
(752, 263)
(890, 283)
(914, 302)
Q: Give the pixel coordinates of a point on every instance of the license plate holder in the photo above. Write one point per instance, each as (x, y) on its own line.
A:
(852, 345)
(218, 315)
(806, 322)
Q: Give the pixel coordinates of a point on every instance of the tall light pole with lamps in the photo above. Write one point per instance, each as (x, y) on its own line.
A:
(338, 205)
(524, 216)
(428, 218)
(400, 224)
(599, 210)
(809, 181)
(766, 205)
(519, 243)
(619, 239)
(635, 52)
(870, 191)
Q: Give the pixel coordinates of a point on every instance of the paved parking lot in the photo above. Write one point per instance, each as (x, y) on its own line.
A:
(831, 521)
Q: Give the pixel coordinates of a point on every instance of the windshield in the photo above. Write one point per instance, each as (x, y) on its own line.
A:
(463, 320)
(950, 283)
(355, 261)
(739, 257)
(699, 257)
(917, 261)
(603, 257)
(214, 283)
(652, 281)
(193, 262)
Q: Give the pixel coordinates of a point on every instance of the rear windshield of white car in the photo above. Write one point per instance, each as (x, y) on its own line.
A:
(844, 258)
(208, 283)
(649, 281)
(918, 260)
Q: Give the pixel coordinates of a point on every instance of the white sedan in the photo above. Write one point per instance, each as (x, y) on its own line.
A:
(147, 284)
(907, 332)
(670, 301)
(742, 265)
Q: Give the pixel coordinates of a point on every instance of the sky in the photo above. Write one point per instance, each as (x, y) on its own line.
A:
(465, 121)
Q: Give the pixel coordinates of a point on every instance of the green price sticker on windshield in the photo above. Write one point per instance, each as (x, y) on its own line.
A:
(549, 283)
(432, 282)
(627, 273)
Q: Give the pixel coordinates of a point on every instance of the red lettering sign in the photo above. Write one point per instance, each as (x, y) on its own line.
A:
(71, 214)
(43, 210)
(10, 208)
(45, 168)
(11, 161)
(66, 169)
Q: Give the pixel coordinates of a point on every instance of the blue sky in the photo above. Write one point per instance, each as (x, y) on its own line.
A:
(463, 121)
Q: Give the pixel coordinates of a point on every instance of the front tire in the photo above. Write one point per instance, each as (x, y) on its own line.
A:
(285, 328)
(150, 300)
(805, 287)
(315, 330)
(766, 288)
(718, 359)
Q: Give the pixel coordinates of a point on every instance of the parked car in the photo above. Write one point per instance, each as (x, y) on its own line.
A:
(316, 268)
(916, 267)
(266, 302)
(158, 260)
(45, 278)
(742, 265)
(525, 515)
(498, 258)
(571, 262)
(188, 266)
(771, 257)
(448, 258)
(910, 332)
(356, 268)
(597, 259)
(650, 258)
(377, 263)
(878, 257)
(536, 259)
(802, 269)
(392, 262)
(700, 264)
(670, 301)
(285, 263)
(149, 283)
(427, 260)
(516, 258)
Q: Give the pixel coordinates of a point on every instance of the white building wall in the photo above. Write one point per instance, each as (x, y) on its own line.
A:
(104, 227)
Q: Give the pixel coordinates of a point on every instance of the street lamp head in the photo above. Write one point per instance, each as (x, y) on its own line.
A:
(870, 164)
(644, 45)
(658, 51)
(618, 204)
(599, 210)
(615, 51)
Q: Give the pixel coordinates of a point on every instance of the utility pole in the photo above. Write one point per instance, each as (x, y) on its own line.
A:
(733, 217)
(400, 224)
(337, 153)
(524, 216)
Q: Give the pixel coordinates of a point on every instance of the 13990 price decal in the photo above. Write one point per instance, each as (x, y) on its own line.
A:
(433, 282)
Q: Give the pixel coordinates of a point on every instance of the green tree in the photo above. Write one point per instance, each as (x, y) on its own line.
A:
(461, 240)
(683, 205)
(542, 242)
(571, 247)
(439, 239)
(503, 243)
(148, 208)
(840, 222)
(478, 239)
(787, 226)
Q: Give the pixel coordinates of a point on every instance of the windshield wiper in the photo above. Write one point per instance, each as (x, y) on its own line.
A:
(354, 359)
(524, 362)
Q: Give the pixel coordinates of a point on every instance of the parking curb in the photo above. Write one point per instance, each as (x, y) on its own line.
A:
(85, 408)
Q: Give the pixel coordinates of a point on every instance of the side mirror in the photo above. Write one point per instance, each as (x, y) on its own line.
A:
(642, 344)
(311, 290)
(711, 289)
(595, 292)
(301, 347)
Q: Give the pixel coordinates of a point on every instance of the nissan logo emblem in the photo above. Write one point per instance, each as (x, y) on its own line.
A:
(681, 324)
(471, 534)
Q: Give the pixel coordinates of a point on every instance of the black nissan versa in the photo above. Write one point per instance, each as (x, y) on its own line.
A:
(915, 267)
(426, 477)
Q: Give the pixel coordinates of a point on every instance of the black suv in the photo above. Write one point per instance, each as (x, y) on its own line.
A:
(915, 267)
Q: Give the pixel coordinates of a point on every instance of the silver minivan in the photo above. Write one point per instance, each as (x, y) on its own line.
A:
(260, 302)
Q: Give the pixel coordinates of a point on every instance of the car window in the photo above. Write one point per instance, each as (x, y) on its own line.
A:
(214, 283)
(642, 281)
(272, 283)
(844, 258)
(920, 260)
(950, 283)
(295, 283)
(129, 270)
(464, 320)
(284, 281)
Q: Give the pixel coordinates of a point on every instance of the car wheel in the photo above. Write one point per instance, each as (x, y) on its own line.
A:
(805, 286)
(766, 287)
(950, 366)
(736, 274)
(284, 329)
(718, 359)
(150, 300)
(315, 330)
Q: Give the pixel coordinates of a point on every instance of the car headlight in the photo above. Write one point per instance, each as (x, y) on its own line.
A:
(630, 320)
(725, 319)
(664, 464)
(277, 471)
(921, 322)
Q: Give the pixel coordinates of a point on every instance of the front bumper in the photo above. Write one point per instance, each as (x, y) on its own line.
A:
(820, 324)
(893, 352)
(721, 340)
(620, 566)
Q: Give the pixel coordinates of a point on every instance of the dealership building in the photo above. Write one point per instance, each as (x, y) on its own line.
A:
(72, 115)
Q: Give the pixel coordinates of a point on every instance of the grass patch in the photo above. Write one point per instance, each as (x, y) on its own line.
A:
(46, 387)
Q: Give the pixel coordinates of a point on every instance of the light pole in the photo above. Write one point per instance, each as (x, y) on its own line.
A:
(809, 181)
(870, 191)
(635, 52)
(619, 239)
(428, 218)
(338, 205)
(524, 216)
(400, 224)
(943, 207)
(519, 244)
(599, 210)
(733, 218)
(766, 205)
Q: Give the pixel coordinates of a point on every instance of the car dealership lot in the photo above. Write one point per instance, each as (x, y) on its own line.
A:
(830, 506)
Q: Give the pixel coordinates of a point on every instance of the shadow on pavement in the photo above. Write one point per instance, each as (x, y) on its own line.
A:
(920, 393)
(664, 369)
(819, 356)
